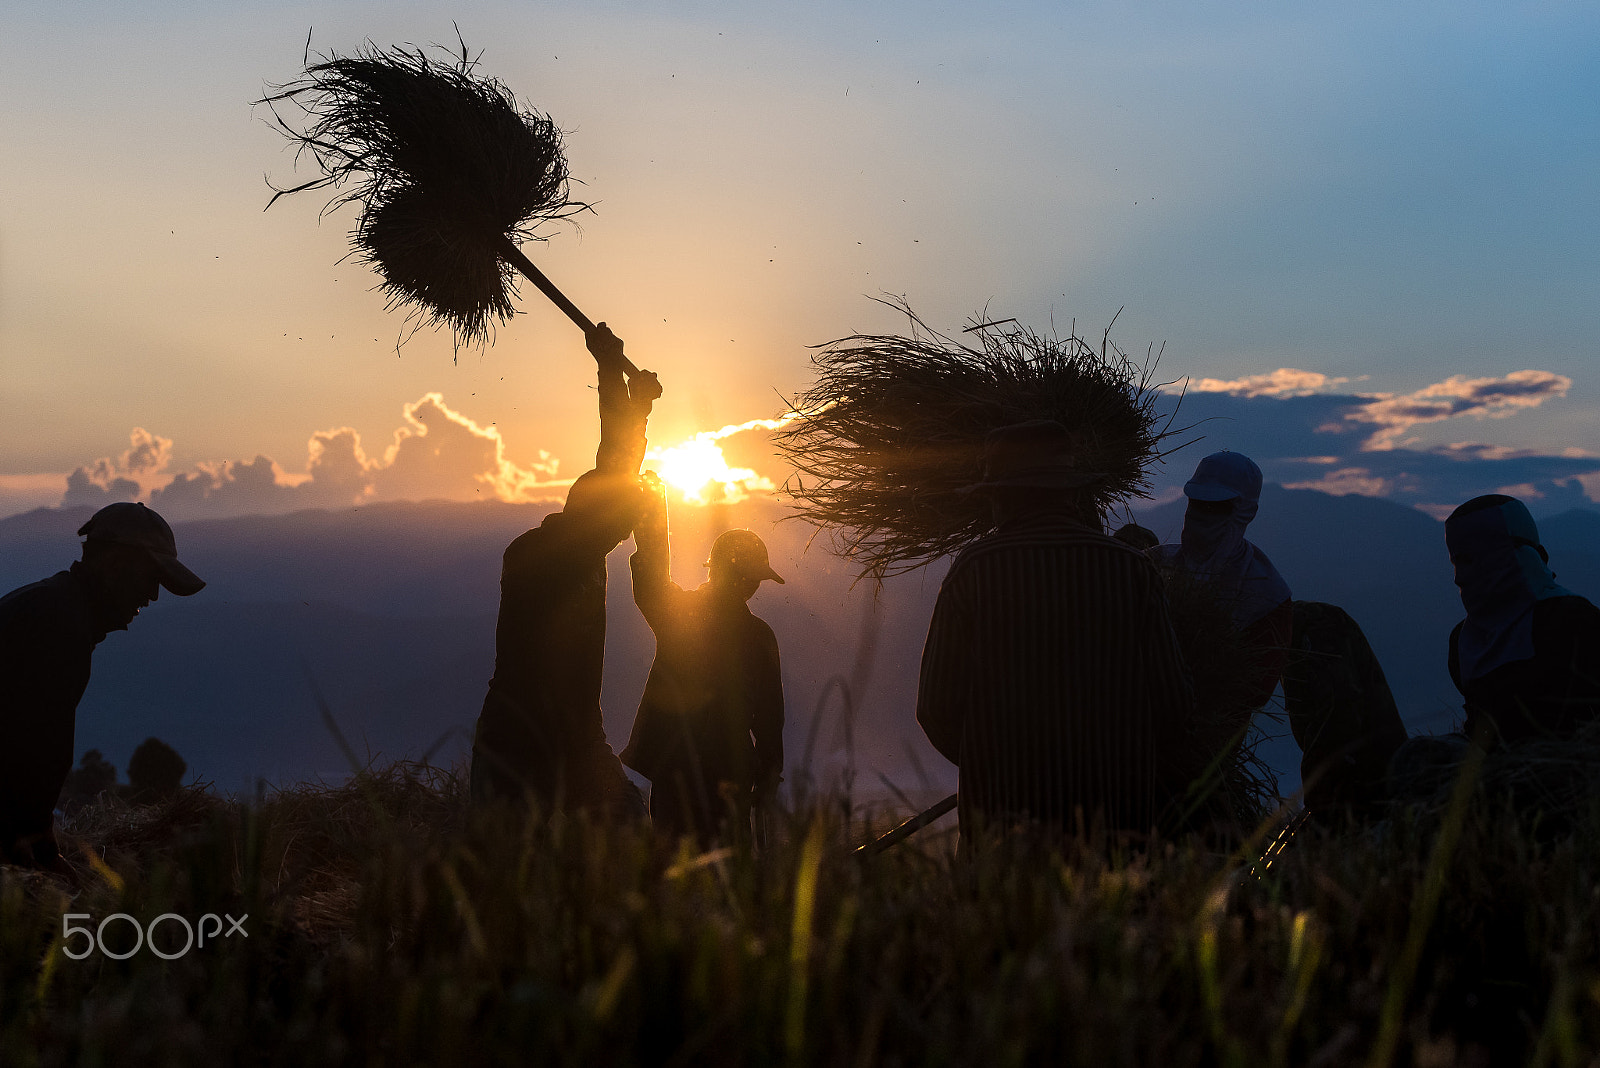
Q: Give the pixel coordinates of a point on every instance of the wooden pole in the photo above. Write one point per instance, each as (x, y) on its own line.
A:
(514, 256)
(906, 829)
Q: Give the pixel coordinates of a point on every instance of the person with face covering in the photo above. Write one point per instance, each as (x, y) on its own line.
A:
(1224, 496)
(1527, 657)
(540, 733)
(709, 733)
(48, 634)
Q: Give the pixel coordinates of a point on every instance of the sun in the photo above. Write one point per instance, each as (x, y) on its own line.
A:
(700, 473)
(698, 470)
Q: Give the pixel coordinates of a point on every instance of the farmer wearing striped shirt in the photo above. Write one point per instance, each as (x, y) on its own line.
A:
(1051, 676)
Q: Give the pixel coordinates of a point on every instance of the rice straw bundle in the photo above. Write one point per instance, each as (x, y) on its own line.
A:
(450, 171)
(1551, 780)
(894, 427)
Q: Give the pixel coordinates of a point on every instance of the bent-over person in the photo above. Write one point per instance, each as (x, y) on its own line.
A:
(1051, 676)
(540, 733)
(1527, 656)
(48, 634)
(709, 733)
(1342, 714)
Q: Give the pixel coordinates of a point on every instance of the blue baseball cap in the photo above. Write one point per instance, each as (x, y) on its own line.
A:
(1225, 476)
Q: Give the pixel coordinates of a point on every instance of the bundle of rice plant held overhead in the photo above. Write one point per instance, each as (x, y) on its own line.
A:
(449, 170)
(893, 429)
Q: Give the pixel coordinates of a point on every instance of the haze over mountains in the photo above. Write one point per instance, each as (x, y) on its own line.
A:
(388, 611)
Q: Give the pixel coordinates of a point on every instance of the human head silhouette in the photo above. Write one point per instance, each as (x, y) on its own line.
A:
(129, 554)
(739, 563)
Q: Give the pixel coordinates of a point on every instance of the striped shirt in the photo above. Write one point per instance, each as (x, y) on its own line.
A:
(1051, 677)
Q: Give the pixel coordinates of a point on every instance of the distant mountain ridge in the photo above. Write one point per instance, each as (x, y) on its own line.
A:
(388, 611)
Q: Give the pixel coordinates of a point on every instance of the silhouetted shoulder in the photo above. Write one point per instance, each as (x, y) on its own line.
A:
(763, 632)
(1049, 533)
(51, 606)
(1572, 611)
(524, 543)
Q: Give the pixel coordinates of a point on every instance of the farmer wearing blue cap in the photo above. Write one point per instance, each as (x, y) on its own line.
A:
(48, 633)
(1527, 657)
(1224, 495)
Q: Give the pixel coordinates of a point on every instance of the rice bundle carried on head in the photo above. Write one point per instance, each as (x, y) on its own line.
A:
(450, 171)
(894, 428)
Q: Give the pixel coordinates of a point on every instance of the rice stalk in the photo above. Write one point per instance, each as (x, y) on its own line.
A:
(447, 166)
(893, 430)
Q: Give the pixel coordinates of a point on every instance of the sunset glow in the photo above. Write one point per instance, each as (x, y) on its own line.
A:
(698, 470)
(700, 473)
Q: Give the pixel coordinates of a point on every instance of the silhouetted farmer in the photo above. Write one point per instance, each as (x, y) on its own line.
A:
(1224, 496)
(1527, 657)
(1051, 676)
(48, 631)
(540, 731)
(709, 734)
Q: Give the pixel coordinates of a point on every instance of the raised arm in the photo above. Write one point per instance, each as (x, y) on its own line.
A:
(652, 559)
(624, 405)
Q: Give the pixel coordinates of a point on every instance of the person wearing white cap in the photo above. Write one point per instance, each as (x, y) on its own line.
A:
(709, 732)
(48, 633)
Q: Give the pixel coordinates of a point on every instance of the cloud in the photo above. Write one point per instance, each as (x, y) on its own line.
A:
(711, 466)
(1348, 480)
(1482, 398)
(1394, 414)
(1339, 442)
(107, 480)
(442, 447)
(437, 452)
(147, 453)
(1284, 382)
(232, 487)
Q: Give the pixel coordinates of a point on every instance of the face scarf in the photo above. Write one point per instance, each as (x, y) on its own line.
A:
(1502, 574)
(1213, 547)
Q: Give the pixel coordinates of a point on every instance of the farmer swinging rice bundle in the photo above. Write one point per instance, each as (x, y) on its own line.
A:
(893, 430)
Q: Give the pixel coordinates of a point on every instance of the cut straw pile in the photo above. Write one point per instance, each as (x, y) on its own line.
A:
(1548, 780)
(894, 428)
(447, 165)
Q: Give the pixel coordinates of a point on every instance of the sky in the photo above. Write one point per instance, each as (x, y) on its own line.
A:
(1367, 235)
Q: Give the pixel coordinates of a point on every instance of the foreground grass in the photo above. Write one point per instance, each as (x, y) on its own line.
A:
(386, 927)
